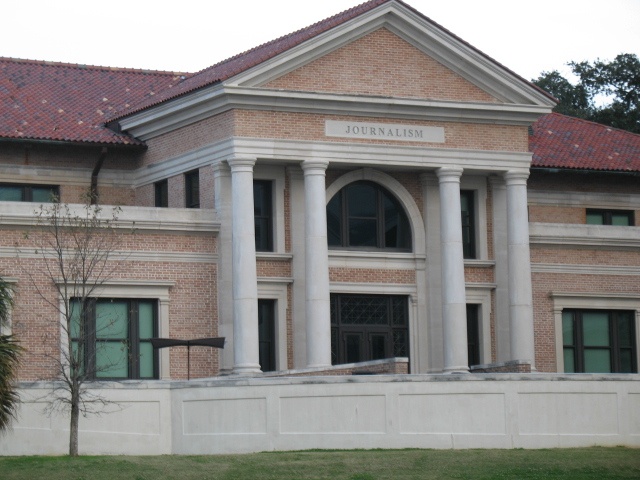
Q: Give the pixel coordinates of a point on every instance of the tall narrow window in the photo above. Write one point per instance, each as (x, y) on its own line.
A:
(113, 338)
(467, 207)
(473, 334)
(365, 215)
(192, 189)
(29, 193)
(599, 341)
(266, 335)
(622, 218)
(263, 214)
(162, 193)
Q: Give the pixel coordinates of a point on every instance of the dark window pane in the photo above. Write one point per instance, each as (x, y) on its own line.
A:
(569, 360)
(625, 329)
(353, 349)
(334, 221)
(192, 189)
(361, 200)
(567, 328)
(44, 194)
(626, 361)
(595, 329)
(597, 361)
(594, 218)
(620, 220)
(162, 193)
(362, 232)
(467, 212)
(112, 360)
(266, 335)
(263, 215)
(400, 343)
(377, 346)
(473, 335)
(11, 194)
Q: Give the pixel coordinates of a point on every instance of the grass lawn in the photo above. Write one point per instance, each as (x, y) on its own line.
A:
(586, 463)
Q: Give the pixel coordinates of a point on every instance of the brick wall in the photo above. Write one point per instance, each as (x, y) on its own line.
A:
(307, 126)
(379, 63)
(192, 305)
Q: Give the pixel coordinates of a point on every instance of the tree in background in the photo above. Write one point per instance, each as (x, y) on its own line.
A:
(607, 92)
(10, 352)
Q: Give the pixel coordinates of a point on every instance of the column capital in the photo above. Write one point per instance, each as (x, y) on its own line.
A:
(428, 179)
(241, 164)
(221, 169)
(449, 174)
(516, 177)
(314, 166)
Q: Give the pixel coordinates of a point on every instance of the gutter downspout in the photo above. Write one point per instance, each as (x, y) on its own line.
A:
(93, 192)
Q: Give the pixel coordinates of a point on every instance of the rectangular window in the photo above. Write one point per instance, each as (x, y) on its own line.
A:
(473, 334)
(467, 207)
(266, 335)
(368, 327)
(192, 189)
(162, 193)
(29, 193)
(263, 214)
(622, 218)
(112, 338)
(599, 341)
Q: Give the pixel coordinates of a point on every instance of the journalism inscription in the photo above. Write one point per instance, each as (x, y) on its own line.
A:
(384, 131)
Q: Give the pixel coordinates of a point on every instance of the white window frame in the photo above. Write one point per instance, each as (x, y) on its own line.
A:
(276, 289)
(481, 295)
(277, 176)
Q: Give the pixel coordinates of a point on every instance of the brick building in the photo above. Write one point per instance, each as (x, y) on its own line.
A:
(364, 140)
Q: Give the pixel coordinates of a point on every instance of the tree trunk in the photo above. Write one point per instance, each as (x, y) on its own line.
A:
(73, 427)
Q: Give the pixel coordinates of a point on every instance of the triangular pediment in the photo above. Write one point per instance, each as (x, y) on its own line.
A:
(381, 64)
(392, 51)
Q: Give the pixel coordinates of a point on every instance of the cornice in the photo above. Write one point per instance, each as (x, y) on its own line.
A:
(344, 153)
(583, 199)
(601, 237)
(573, 269)
(219, 99)
(138, 219)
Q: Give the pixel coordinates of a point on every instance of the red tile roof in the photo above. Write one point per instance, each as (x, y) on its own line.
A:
(70, 103)
(559, 141)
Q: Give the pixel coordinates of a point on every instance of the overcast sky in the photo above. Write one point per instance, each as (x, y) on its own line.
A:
(187, 35)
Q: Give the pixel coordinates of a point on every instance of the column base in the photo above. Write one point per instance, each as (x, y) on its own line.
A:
(252, 370)
(319, 365)
(451, 370)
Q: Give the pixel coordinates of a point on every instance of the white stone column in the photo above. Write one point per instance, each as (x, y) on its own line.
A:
(222, 191)
(317, 307)
(245, 282)
(519, 260)
(454, 312)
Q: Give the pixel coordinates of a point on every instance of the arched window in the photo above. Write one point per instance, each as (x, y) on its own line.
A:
(365, 215)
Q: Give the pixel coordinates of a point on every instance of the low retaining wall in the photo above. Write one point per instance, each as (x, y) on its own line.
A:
(235, 415)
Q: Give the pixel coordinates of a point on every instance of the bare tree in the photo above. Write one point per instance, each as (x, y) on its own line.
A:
(75, 246)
